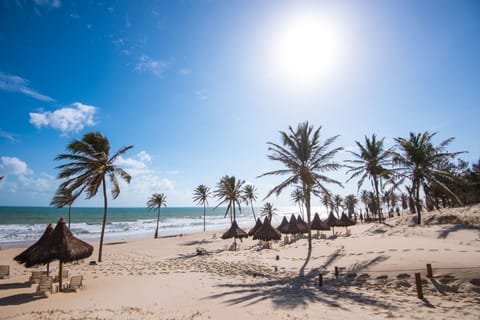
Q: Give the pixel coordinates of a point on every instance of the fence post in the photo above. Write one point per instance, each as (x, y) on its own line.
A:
(429, 271)
(418, 281)
(320, 280)
(336, 272)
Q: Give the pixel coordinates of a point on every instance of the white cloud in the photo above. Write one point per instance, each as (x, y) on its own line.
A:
(13, 166)
(48, 3)
(14, 83)
(7, 135)
(68, 119)
(202, 94)
(147, 64)
(144, 156)
(185, 71)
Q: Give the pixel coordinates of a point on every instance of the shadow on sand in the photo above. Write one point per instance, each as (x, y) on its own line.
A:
(300, 290)
(18, 299)
(457, 227)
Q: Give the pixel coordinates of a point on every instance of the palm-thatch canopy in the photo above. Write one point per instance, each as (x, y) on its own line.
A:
(345, 221)
(318, 224)
(283, 227)
(267, 232)
(234, 232)
(293, 226)
(38, 253)
(65, 247)
(302, 225)
(331, 220)
(257, 226)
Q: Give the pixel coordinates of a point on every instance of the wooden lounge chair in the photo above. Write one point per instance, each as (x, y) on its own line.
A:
(45, 285)
(64, 276)
(4, 272)
(76, 282)
(35, 277)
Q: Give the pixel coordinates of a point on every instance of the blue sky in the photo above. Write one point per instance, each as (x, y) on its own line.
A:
(199, 87)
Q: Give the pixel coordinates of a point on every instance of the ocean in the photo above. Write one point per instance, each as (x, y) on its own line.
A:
(21, 226)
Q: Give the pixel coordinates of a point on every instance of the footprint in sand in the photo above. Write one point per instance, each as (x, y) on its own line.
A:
(420, 249)
(392, 250)
(433, 250)
(405, 250)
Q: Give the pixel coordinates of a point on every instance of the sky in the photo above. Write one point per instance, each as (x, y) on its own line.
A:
(200, 87)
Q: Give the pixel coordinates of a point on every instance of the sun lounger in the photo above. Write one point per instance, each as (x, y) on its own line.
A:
(4, 272)
(45, 285)
(36, 275)
(64, 276)
(76, 282)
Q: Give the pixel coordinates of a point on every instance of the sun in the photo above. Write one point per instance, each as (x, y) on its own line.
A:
(307, 49)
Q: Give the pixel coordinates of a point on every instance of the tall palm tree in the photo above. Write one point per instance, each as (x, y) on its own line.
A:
(418, 159)
(337, 203)
(156, 201)
(268, 210)
(250, 195)
(350, 202)
(229, 191)
(200, 196)
(364, 199)
(371, 162)
(404, 201)
(62, 198)
(326, 200)
(90, 165)
(297, 197)
(306, 160)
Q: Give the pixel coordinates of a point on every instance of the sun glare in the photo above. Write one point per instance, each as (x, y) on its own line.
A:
(307, 49)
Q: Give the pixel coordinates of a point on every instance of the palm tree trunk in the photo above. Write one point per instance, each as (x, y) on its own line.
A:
(254, 218)
(158, 221)
(104, 219)
(418, 207)
(377, 195)
(306, 192)
(204, 217)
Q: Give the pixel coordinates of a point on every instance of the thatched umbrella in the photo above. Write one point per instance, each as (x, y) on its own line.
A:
(332, 221)
(293, 226)
(257, 226)
(267, 232)
(318, 224)
(283, 227)
(37, 253)
(235, 232)
(345, 221)
(302, 225)
(66, 248)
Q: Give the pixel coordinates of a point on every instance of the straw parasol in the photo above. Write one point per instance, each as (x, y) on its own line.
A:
(67, 248)
(37, 253)
(345, 221)
(283, 227)
(255, 228)
(318, 224)
(332, 221)
(302, 225)
(293, 226)
(235, 232)
(267, 232)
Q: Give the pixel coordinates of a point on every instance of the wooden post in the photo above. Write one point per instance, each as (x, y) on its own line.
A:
(320, 280)
(276, 268)
(277, 257)
(429, 271)
(336, 272)
(418, 281)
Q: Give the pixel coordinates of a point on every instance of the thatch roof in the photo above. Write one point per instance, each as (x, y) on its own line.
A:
(293, 226)
(283, 227)
(318, 224)
(37, 253)
(267, 232)
(257, 226)
(65, 247)
(234, 232)
(302, 225)
(345, 221)
(331, 220)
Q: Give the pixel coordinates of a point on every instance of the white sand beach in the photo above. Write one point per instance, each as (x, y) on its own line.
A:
(166, 279)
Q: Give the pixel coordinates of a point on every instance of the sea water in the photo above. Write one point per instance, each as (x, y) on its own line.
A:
(21, 226)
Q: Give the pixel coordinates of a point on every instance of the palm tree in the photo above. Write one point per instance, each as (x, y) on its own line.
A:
(326, 199)
(364, 199)
(90, 165)
(200, 196)
(62, 198)
(297, 197)
(371, 162)
(350, 202)
(268, 211)
(250, 195)
(337, 203)
(305, 159)
(404, 201)
(229, 191)
(156, 201)
(418, 159)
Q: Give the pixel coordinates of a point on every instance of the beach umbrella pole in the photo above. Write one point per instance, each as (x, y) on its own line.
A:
(60, 276)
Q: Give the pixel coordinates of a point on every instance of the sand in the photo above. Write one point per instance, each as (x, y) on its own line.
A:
(165, 279)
